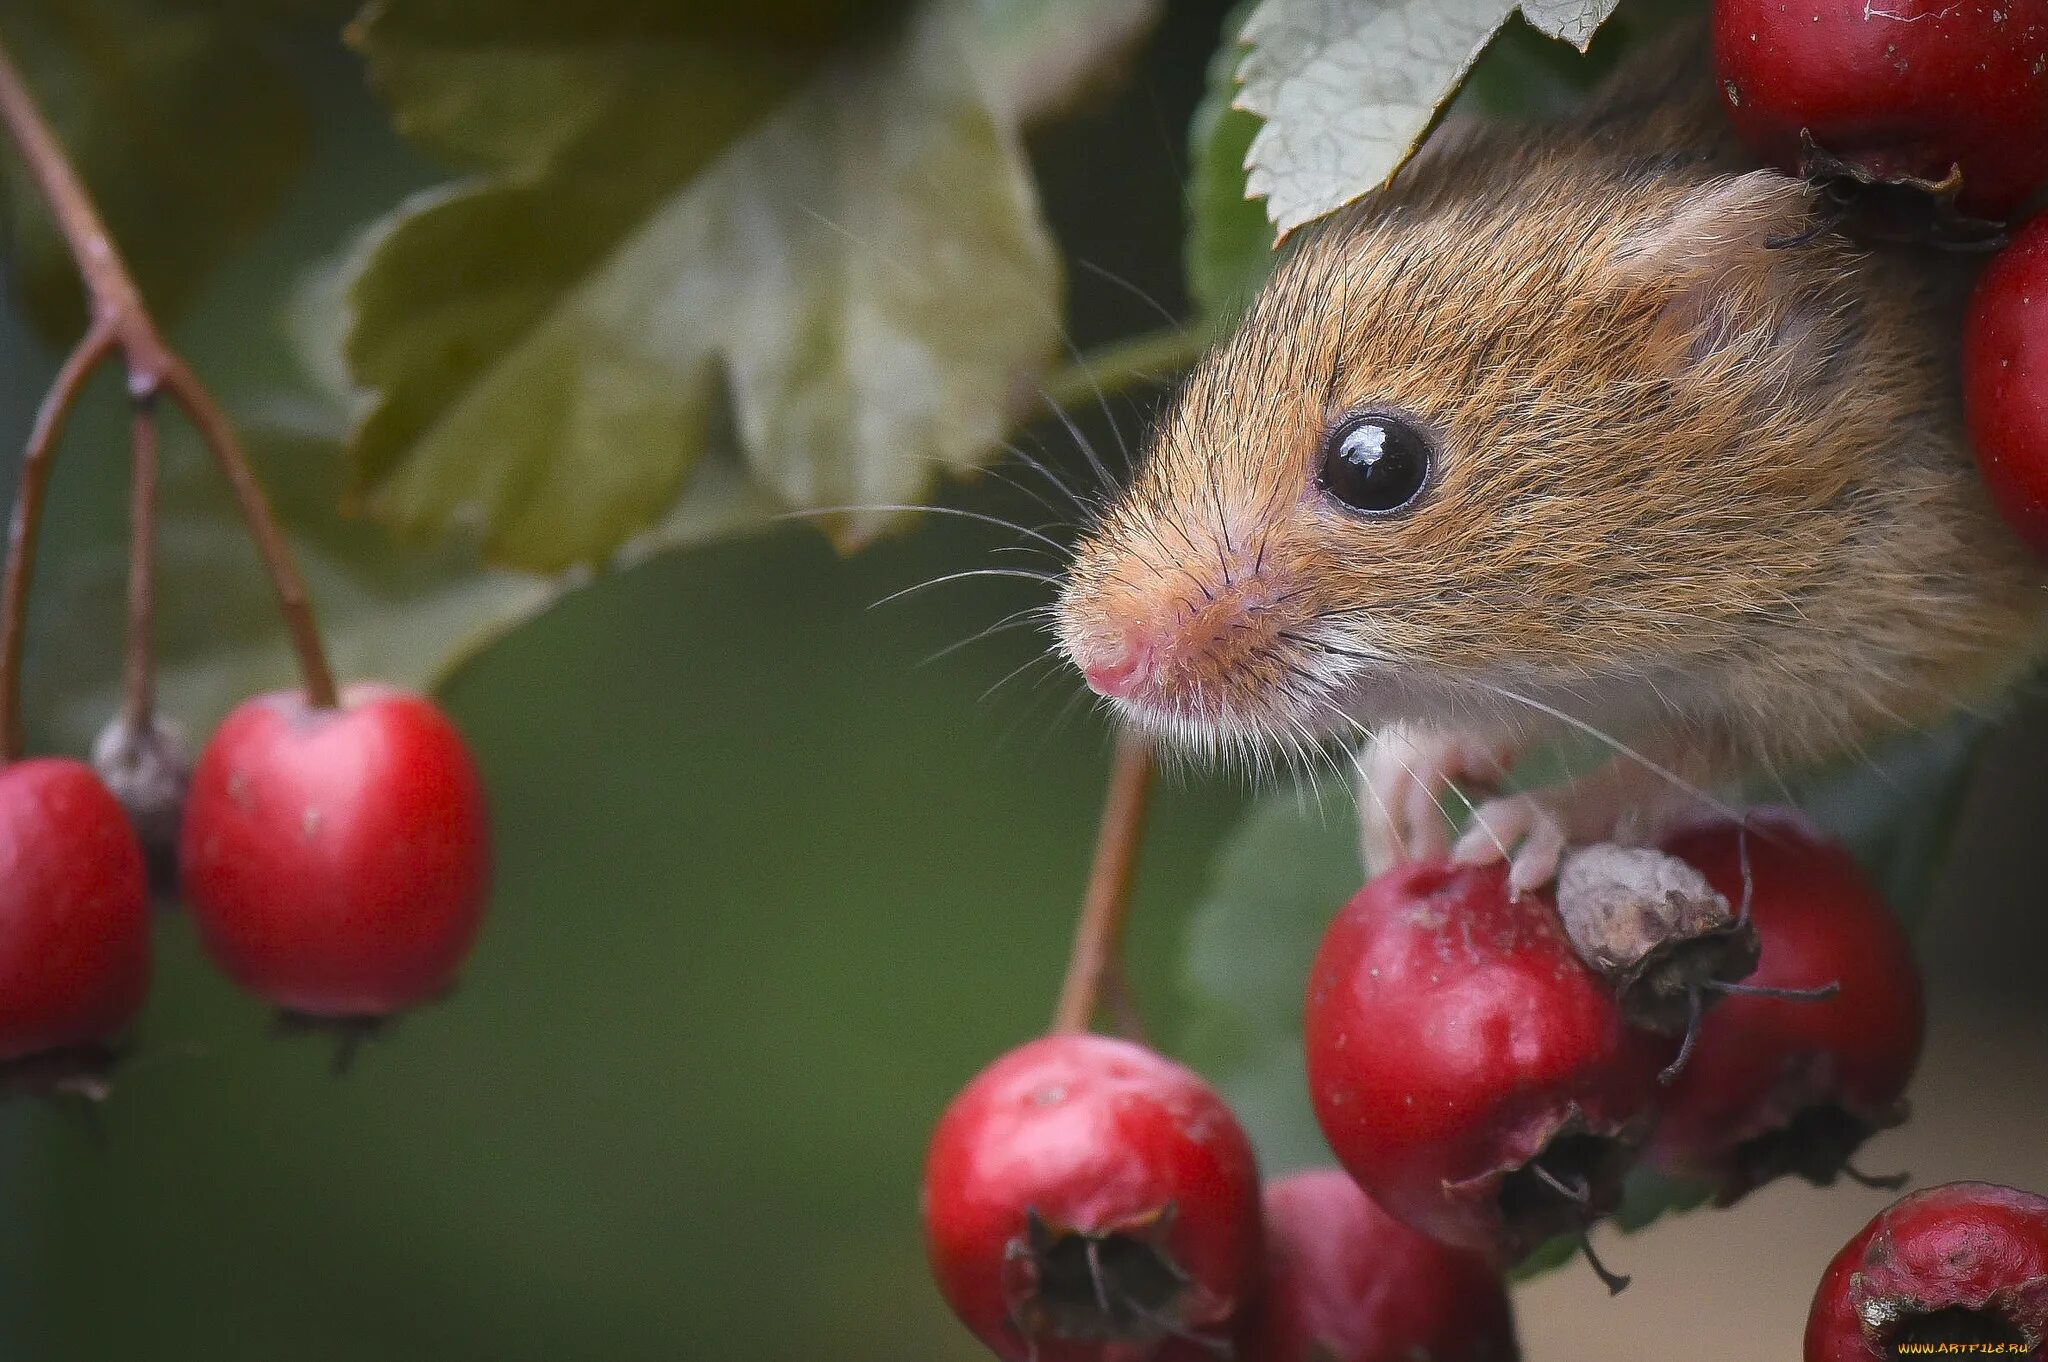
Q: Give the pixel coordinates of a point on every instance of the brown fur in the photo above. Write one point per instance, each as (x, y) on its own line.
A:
(1688, 486)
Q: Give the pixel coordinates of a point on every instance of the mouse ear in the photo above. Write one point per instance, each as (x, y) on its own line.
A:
(1722, 225)
(1718, 253)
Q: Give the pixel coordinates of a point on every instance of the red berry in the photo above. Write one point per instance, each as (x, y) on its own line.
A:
(1785, 1085)
(336, 860)
(1894, 90)
(1964, 1264)
(74, 915)
(1086, 1200)
(1346, 1282)
(1468, 1069)
(2005, 381)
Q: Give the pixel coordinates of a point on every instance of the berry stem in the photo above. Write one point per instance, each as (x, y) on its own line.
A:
(1791, 995)
(140, 669)
(1885, 1182)
(1098, 935)
(1695, 1006)
(1615, 1282)
(23, 527)
(292, 601)
(121, 319)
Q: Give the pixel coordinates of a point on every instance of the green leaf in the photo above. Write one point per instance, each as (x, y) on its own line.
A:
(856, 284)
(1230, 243)
(631, 94)
(1293, 862)
(1521, 72)
(182, 124)
(1275, 884)
(1036, 57)
(1348, 88)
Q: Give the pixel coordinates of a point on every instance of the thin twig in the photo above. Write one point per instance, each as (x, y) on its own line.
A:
(27, 521)
(122, 319)
(1098, 936)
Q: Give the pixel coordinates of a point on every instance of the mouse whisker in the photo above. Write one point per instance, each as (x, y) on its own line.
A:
(983, 517)
(1026, 573)
(1110, 487)
(1063, 519)
(1028, 490)
(1323, 750)
(1619, 747)
(1101, 400)
(1007, 677)
(1463, 798)
(1111, 276)
(1304, 751)
(1091, 509)
(1016, 619)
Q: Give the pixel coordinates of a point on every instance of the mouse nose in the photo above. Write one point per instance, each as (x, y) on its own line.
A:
(1116, 667)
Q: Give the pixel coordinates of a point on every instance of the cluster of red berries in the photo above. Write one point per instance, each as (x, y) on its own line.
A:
(1926, 117)
(1490, 1069)
(1087, 1200)
(1736, 1007)
(335, 861)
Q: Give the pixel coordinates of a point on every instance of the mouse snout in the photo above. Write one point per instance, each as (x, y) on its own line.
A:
(1119, 665)
(1194, 643)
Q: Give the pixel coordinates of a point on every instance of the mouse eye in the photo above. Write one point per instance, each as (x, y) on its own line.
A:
(1375, 464)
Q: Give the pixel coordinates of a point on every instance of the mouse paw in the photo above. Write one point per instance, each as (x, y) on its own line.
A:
(1527, 831)
(1404, 775)
(1625, 802)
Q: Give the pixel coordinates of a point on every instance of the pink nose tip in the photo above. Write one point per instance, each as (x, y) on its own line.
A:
(1117, 667)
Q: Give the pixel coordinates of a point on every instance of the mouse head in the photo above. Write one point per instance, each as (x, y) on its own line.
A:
(1516, 422)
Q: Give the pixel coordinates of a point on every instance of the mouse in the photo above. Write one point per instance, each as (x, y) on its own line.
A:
(1587, 429)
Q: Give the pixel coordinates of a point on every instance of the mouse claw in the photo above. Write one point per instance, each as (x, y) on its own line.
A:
(1521, 829)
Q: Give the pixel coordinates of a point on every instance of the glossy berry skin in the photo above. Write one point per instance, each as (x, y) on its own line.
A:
(1078, 1138)
(1964, 1263)
(1776, 1084)
(1779, 1085)
(1900, 89)
(336, 860)
(74, 915)
(2005, 381)
(1346, 1282)
(1452, 1036)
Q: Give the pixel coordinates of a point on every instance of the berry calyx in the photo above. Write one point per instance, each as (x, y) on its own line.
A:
(1086, 1200)
(1940, 100)
(74, 918)
(1781, 1085)
(1963, 1265)
(336, 860)
(1346, 1282)
(1469, 1070)
(2005, 381)
(1652, 926)
(148, 767)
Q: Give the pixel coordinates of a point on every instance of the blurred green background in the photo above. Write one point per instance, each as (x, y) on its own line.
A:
(770, 887)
